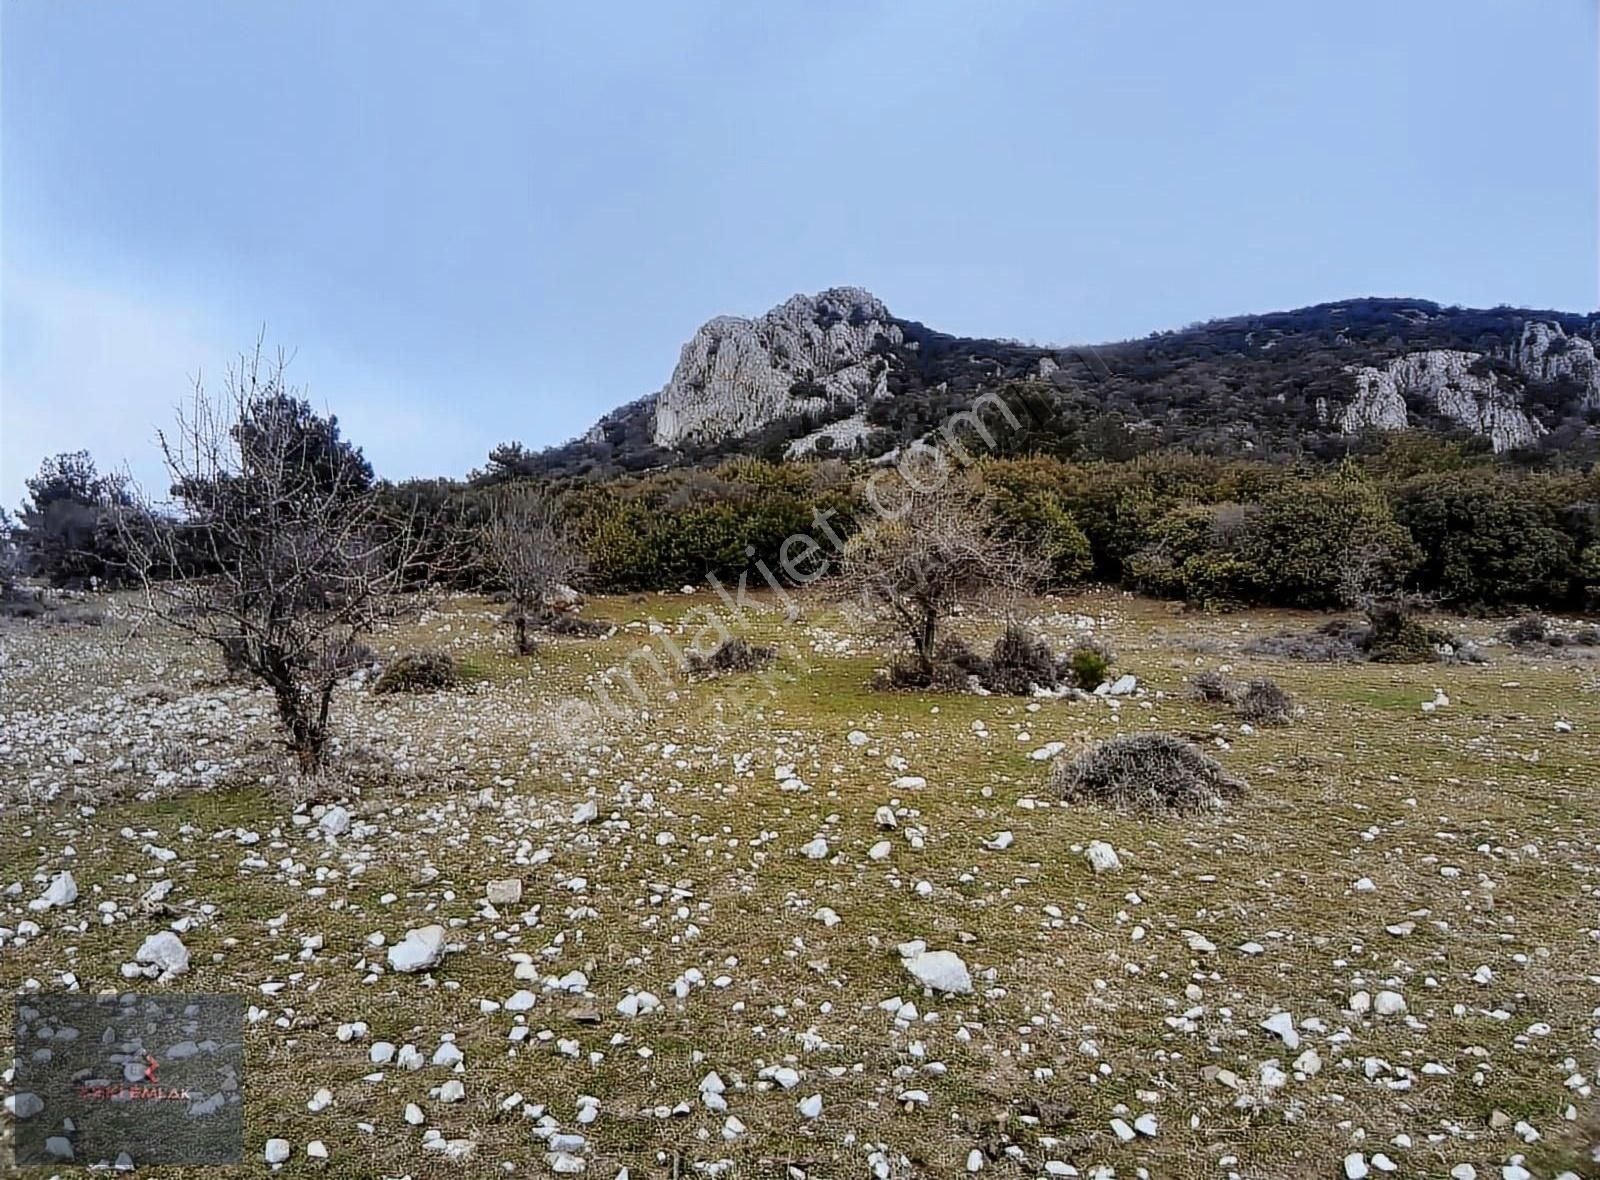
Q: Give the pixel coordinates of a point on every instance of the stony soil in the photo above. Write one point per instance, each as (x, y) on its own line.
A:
(1383, 959)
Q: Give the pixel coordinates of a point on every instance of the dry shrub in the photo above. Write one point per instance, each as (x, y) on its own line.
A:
(417, 672)
(60, 612)
(1263, 703)
(1145, 772)
(1213, 688)
(1020, 662)
(567, 623)
(1528, 629)
(951, 670)
(1338, 641)
(732, 655)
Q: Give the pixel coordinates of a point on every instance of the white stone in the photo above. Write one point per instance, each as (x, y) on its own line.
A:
(811, 1107)
(277, 1151)
(61, 892)
(1355, 1166)
(1308, 1063)
(1199, 943)
(1449, 380)
(504, 891)
(940, 971)
(23, 1105)
(165, 951)
(1281, 1025)
(335, 821)
(419, 950)
(1388, 1003)
(1102, 857)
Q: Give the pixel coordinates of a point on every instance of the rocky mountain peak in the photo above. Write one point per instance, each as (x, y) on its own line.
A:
(812, 354)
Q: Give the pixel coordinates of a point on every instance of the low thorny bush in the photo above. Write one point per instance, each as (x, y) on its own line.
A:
(1528, 629)
(1213, 688)
(1260, 701)
(418, 672)
(732, 655)
(1145, 772)
(1263, 703)
(1392, 634)
(1535, 630)
(1018, 663)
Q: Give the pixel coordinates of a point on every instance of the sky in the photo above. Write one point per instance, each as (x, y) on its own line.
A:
(478, 222)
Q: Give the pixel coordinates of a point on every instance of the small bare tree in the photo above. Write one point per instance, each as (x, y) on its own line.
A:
(277, 551)
(533, 556)
(937, 550)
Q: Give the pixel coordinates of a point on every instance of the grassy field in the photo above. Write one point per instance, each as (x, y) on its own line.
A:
(1474, 830)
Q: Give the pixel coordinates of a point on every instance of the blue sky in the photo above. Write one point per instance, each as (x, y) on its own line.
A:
(483, 221)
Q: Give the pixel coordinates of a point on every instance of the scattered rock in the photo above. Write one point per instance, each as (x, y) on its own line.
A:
(420, 950)
(940, 971)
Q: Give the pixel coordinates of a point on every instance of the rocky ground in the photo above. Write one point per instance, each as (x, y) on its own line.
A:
(784, 925)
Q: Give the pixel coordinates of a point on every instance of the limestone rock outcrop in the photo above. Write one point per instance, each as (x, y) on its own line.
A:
(1447, 379)
(1465, 390)
(814, 354)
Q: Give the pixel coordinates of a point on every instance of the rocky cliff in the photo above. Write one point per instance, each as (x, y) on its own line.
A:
(837, 372)
(1464, 388)
(811, 356)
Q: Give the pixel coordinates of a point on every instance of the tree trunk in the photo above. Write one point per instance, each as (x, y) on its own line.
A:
(308, 732)
(522, 633)
(925, 641)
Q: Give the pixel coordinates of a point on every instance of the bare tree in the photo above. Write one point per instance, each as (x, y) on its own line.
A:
(935, 549)
(533, 556)
(277, 551)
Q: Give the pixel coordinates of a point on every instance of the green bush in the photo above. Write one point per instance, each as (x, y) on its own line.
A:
(1305, 540)
(1589, 575)
(1090, 665)
(1488, 539)
(1396, 636)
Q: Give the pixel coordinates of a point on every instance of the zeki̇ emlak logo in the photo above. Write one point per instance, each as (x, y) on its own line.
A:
(146, 1090)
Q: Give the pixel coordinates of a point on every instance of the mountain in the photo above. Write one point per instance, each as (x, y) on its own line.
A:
(838, 373)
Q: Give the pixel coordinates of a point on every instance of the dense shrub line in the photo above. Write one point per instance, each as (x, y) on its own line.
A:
(1436, 519)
